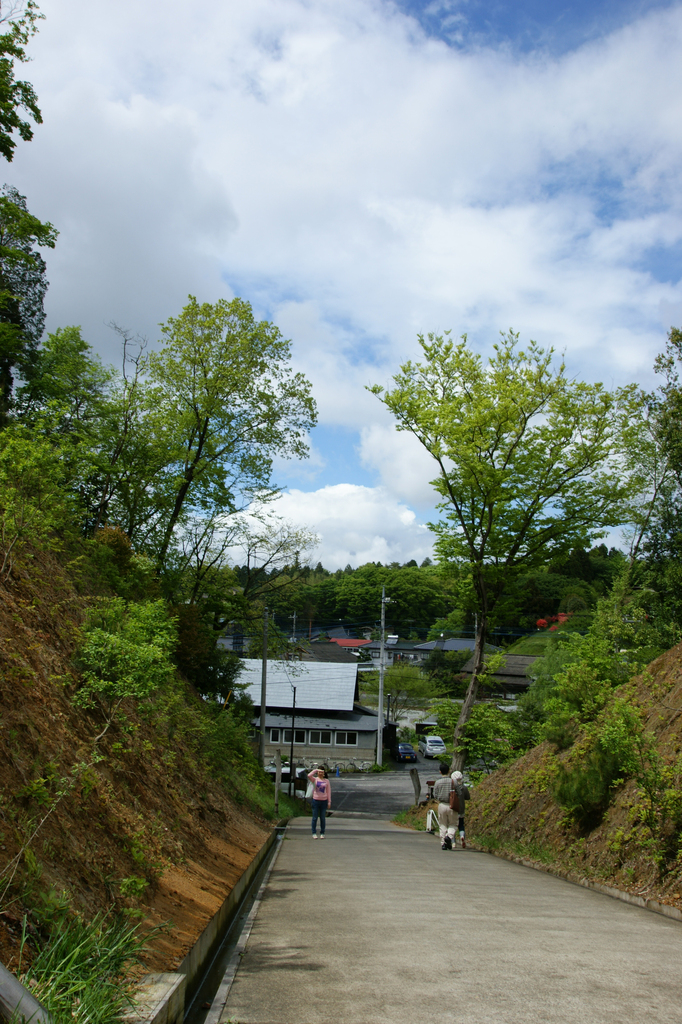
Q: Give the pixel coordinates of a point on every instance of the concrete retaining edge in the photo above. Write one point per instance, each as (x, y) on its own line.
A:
(161, 997)
(569, 876)
(203, 950)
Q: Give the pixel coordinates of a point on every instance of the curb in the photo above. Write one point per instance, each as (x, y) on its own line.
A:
(674, 913)
(162, 998)
(204, 949)
(215, 1014)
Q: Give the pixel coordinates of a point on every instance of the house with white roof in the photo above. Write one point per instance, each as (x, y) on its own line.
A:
(329, 724)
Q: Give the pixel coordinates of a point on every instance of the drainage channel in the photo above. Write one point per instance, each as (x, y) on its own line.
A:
(198, 1009)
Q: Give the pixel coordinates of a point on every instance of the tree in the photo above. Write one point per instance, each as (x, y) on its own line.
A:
(524, 461)
(22, 286)
(34, 500)
(68, 378)
(417, 595)
(224, 402)
(653, 451)
(16, 96)
(407, 687)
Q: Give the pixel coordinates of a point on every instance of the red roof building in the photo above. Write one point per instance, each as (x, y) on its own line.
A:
(352, 643)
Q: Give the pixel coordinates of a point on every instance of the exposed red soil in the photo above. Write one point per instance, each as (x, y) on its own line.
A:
(148, 810)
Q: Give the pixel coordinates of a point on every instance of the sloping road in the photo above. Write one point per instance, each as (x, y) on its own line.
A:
(376, 925)
(381, 794)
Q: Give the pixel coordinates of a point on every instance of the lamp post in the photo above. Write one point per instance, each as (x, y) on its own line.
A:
(291, 754)
(380, 725)
(263, 689)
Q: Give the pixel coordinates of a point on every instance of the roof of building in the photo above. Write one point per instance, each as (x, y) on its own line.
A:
(395, 645)
(322, 650)
(453, 644)
(348, 641)
(319, 686)
(513, 671)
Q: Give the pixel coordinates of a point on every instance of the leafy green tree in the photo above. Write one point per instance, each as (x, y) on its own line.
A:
(656, 452)
(407, 686)
(22, 287)
(224, 402)
(125, 655)
(35, 504)
(16, 96)
(489, 737)
(574, 681)
(525, 464)
(444, 668)
(417, 595)
(68, 378)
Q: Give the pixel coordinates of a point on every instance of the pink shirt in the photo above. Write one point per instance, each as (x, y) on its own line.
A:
(322, 789)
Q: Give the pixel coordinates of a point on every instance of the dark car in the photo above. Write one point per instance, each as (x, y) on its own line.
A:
(405, 752)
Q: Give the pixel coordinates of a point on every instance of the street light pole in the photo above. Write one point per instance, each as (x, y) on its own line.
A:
(263, 689)
(380, 723)
(291, 754)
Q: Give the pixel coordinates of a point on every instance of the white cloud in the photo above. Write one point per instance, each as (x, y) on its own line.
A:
(358, 182)
(402, 464)
(357, 525)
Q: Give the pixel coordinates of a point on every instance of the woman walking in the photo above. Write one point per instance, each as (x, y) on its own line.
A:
(322, 798)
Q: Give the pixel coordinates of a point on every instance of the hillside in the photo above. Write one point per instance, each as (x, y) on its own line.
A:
(144, 824)
(634, 842)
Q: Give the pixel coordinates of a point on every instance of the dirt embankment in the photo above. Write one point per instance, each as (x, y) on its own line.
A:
(514, 810)
(146, 828)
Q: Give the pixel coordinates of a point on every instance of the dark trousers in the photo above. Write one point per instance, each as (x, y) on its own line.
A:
(319, 808)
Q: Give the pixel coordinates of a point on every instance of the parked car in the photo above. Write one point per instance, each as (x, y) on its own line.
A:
(299, 773)
(431, 746)
(404, 752)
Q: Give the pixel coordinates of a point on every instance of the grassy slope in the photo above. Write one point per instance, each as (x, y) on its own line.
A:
(151, 811)
(514, 810)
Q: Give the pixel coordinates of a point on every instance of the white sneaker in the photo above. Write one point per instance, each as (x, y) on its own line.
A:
(314, 835)
(322, 836)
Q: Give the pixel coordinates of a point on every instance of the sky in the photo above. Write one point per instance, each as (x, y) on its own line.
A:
(362, 172)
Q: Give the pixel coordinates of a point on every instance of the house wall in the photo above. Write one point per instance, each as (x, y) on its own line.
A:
(365, 751)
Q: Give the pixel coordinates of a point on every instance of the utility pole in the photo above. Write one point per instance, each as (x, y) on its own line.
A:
(294, 618)
(291, 753)
(380, 724)
(263, 689)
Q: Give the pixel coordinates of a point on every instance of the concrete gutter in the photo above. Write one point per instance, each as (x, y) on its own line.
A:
(215, 1014)
(200, 955)
(161, 998)
(570, 876)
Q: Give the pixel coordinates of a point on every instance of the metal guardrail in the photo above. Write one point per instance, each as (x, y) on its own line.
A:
(17, 1003)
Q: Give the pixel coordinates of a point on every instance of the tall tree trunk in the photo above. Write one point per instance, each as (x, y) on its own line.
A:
(471, 694)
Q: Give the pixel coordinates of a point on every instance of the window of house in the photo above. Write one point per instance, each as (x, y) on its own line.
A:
(320, 736)
(274, 735)
(347, 739)
(299, 735)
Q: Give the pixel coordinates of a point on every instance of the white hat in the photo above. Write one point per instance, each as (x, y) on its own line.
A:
(456, 776)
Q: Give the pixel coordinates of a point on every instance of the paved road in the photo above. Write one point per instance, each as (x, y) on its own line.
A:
(376, 925)
(382, 794)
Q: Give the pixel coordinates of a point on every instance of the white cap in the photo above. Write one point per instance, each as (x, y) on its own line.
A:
(456, 776)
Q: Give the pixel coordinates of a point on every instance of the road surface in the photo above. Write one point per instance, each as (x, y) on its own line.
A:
(377, 925)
